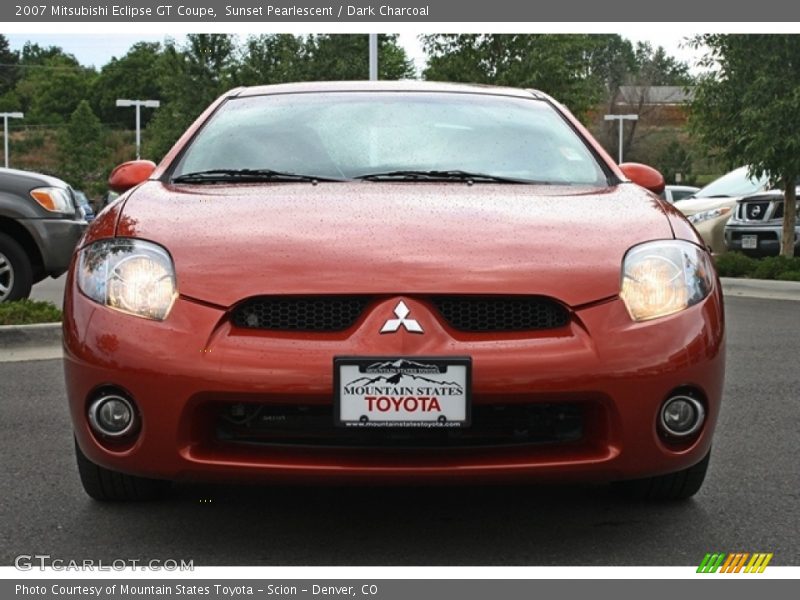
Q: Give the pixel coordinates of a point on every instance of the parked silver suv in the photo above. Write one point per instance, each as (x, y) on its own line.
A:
(756, 226)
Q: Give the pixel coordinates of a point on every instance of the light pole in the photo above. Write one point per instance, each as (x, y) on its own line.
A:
(373, 57)
(621, 119)
(138, 104)
(6, 116)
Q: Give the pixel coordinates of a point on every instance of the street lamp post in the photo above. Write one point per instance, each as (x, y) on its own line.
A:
(373, 56)
(122, 103)
(6, 116)
(621, 119)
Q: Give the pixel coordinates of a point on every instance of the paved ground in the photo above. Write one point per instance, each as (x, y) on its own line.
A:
(751, 500)
(50, 289)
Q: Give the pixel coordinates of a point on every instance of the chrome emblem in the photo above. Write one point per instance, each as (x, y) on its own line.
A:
(401, 312)
(755, 211)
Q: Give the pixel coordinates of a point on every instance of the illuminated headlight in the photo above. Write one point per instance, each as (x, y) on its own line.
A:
(664, 277)
(131, 276)
(54, 199)
(708, 214)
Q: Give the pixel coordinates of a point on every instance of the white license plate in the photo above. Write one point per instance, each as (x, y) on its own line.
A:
(750, 242)
(402, 392)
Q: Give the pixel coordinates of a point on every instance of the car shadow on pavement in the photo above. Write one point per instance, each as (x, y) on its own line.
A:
(392, 525)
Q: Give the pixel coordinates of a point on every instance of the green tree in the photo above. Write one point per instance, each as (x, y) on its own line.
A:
(9, 71)
(333, 57)
(52, 84)
(130, 76)
(190, 77)
(747, 109)
(576, 69)
(273, 58)
(81, 149)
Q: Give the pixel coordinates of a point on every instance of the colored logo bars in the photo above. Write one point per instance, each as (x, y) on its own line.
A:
(735, 562)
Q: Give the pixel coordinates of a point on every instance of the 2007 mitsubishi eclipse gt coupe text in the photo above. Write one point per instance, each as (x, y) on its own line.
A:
(391, 282)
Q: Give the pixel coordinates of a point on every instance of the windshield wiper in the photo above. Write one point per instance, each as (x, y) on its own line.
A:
(453, 174)
(246, 176)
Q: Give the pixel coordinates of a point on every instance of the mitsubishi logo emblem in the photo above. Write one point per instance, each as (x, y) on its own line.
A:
(401, 312)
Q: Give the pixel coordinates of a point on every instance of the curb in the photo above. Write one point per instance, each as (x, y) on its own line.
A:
(30, 336)
(760, 288)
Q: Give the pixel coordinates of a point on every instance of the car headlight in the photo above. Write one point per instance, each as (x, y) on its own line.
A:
(54, 199)
(708, 214)
(664, 277)
(128, 275)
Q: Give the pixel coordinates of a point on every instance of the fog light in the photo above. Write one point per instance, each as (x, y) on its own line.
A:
(682, 415)
(112, 416)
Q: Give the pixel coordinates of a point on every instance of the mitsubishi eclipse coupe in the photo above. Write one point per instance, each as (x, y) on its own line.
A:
(391, 282)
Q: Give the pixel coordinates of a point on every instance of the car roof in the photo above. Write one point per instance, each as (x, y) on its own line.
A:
(405, 85)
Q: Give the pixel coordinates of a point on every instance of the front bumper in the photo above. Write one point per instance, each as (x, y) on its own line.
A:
(178, 371)
(56, 240)
(769, 238)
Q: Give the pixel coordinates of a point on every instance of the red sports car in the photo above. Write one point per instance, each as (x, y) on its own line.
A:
(391, 282)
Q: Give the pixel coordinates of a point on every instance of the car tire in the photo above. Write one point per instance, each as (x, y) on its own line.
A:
(680, 485)
(106, 485)
(16, 272)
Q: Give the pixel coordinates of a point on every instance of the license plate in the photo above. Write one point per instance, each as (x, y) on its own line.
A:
(750, 242)
(402, 392)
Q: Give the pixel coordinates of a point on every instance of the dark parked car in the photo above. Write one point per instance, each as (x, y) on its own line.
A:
(108, 198)
(39, 228)
(84, 207)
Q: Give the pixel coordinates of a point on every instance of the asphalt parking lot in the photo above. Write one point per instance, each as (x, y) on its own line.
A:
(750, 502)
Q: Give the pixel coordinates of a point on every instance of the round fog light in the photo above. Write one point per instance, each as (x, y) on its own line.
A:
(682, 416)
(111, 416)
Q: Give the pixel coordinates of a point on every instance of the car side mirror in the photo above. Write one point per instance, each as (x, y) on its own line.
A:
(645, 176)
(130, 174)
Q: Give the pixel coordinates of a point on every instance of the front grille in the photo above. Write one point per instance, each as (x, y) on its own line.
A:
(313, 425)
(338, 313)
(755, 211)
(312, 313)
(503, 313)
(777, 212)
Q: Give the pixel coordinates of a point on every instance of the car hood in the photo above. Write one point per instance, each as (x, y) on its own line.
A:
(692, 206)
(234, 241)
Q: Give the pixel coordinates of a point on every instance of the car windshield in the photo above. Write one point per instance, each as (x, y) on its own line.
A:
(411, 135)
(733, 184)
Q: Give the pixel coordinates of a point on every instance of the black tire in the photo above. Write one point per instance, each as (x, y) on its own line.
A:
(16, 272)
(111, 486)
(667, 488)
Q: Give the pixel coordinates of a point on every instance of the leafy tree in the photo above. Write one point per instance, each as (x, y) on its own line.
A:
(33, 54)
(656, 67)
(273, 58)
(190, 78)
(52, 84)
(130, 76)
(577, 69)
(747, 109)
(8, 66)
(333, 57)
(81, 148)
